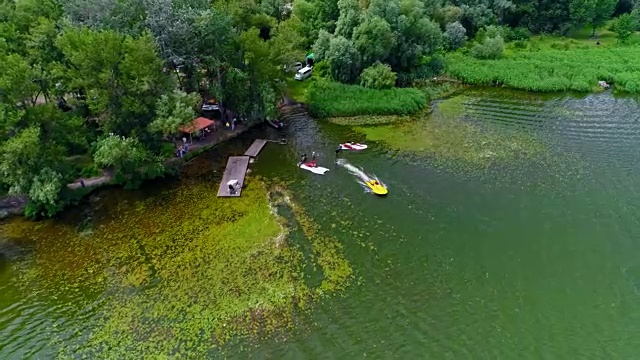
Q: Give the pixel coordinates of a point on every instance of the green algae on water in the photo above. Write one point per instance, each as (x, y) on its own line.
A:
(183, 273)
(446, 137)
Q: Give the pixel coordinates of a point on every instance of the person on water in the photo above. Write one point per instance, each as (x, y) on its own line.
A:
(303, 158)
(313, 159)
(338, 149)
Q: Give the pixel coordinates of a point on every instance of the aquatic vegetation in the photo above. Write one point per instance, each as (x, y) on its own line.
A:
(440, 90)
(452, 107)
(331, 99)
(553, 70)
(183, 272)
(446, 137)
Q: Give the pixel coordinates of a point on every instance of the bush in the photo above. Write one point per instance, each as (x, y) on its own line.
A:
(519, 33)
(492, 31)
(321, 69)
(455, 35)
(491, 48)
(378, 76)
(559, 45)
(427, 69)
(331, 99)
(520, 44)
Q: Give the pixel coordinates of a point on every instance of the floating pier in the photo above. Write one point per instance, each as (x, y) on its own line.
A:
(255, 148)
(234, 173)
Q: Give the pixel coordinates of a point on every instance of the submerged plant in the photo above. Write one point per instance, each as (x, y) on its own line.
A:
(181, 274)
(446, 137)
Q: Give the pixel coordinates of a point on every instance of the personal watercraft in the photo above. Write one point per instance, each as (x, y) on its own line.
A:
(311, 166)
(369, 182)
(352, 146)
(376, 187)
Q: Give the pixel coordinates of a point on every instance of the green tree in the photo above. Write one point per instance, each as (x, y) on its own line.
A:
(121, 76)
(31, 167)
(416, 35)
(66, 129)
(172, 111)
(10, 117)
(349, 18)
(448, 14)
(322, 44)
(262, 69)
(477, 16)
(625, 25)
(126, 17)
(378, 76)
(490, 48)
(129, 159)
(278, 9)
(343, 60)
(286, 44)
(455, 35)
(218, 50)
(373, 39)
(45, 191)
(17, 81)
(315, 15)
(593, 13)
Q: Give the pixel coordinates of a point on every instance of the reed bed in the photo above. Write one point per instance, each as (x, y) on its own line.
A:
(553, 70)
(330, 99)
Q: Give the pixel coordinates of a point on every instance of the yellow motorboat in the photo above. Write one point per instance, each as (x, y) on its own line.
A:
(377, 187)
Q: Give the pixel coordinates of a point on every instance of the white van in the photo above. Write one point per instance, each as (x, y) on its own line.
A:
(304, 73)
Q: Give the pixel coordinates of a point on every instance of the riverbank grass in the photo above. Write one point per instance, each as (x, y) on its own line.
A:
(330, 99)
(553, 70)
(297, 90)
(550, 64)
(432, 90)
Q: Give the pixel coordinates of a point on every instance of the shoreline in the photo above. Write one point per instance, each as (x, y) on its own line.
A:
(14, 205)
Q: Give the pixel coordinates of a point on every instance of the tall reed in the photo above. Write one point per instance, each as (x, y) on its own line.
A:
(331, 99)
(553, 70)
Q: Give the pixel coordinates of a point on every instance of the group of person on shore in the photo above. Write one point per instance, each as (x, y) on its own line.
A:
(231, 125)
(183, 149)
(204, 133)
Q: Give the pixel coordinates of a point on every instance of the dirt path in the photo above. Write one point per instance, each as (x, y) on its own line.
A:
(106, 177)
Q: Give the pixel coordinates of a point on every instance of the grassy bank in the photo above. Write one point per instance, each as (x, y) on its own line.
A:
(432, 90)
(548, 65)
(330, 99)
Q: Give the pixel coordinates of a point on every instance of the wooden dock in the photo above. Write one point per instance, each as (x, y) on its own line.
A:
(255, 148)
(236, 170)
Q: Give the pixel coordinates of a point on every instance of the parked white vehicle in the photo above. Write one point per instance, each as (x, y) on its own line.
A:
(304, 73)
(210, 107)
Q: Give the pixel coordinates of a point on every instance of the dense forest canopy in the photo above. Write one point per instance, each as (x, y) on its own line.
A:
(103, 83)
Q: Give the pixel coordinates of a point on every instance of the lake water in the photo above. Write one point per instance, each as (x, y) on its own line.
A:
(535, 257)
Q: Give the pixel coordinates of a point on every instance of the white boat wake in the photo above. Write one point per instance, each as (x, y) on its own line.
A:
(361, 176)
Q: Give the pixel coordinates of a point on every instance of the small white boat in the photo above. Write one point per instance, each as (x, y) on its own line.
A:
(352, 146)
(313, 168)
